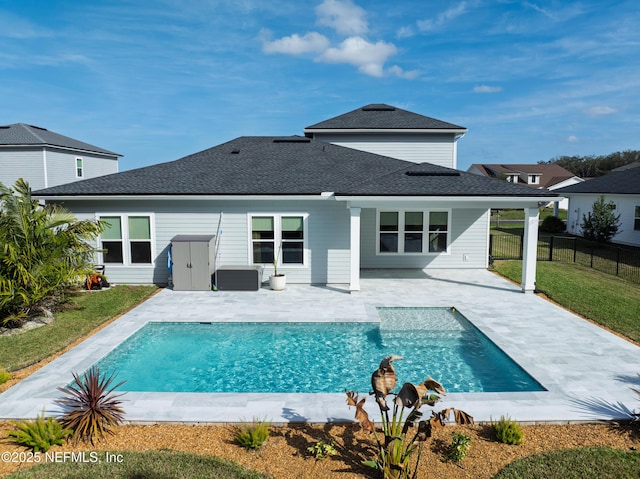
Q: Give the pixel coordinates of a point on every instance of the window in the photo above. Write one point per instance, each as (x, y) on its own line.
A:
(282, 235)
(534, 179)
(405, 232)
(636, 221)
(79, 168)
(127, 239)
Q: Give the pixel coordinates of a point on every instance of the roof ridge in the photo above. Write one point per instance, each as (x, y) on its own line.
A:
(30, 131)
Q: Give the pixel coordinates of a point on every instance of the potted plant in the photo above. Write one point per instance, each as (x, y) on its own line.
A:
(277, 281)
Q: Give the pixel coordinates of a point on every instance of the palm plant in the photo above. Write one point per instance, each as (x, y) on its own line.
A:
(395, 448)
(91, 408)
(43, 249)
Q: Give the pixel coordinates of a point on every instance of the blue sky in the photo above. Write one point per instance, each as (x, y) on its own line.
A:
(158, 80)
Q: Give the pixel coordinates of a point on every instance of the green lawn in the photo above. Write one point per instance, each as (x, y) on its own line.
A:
(600, 462)
(603, 298)
(130, 465)
(84, 312)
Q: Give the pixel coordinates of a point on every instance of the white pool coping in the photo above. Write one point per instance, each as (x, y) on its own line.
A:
(587, 371)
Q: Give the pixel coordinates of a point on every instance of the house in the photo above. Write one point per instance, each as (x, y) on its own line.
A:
(622, 188)
(325, 210)
(45, 158)
(541, 175)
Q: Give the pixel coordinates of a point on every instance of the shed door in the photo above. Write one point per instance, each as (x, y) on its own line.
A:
(200, 276)
(181, 258)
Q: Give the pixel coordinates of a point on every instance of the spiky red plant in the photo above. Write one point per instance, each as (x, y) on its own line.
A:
(91, 408)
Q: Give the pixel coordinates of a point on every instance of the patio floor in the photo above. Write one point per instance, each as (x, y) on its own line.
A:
(588, 372)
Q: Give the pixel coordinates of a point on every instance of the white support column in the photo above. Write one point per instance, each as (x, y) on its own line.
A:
(354, 247)
(530, 249)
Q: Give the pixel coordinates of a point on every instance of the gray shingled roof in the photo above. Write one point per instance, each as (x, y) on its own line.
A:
(626, 182)
(20, 134)
(381, 116)
(289, 166)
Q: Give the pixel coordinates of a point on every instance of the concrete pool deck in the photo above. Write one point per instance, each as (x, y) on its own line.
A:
(588, 372)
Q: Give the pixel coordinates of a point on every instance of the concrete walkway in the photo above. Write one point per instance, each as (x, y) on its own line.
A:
(588, 372)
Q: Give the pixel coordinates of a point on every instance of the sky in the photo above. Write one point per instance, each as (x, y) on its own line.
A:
(159, 80)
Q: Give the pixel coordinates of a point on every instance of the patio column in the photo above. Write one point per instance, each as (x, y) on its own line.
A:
(354, 248)
(530, 249)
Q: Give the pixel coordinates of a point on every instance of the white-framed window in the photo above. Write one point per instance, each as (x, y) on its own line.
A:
(127, 239)
(280, 234)
(412, 231)
(636, 220)
(79, 167)
(512, 178)
(534, 179)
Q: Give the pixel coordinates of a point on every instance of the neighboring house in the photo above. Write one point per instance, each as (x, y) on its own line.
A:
(325, 210)
(541, 175)
(45, 158)
(620, 187)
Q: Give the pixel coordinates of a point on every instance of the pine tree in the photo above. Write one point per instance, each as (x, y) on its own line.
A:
(601, 223)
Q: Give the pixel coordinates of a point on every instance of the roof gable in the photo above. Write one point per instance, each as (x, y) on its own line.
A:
(381, 116)
(21, 134)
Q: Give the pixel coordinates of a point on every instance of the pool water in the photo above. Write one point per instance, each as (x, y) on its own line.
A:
(314, 357)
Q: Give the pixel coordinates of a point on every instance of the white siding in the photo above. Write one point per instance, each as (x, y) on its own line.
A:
(61, 166)
(22, 163)
(580, 205)
(436, 149)
(328, 235)
(468, 238)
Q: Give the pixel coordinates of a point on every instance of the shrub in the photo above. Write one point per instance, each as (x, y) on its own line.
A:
(322, 449)
(552, 224)
(459, 447)
(4, 375)
(254, 435)
(39, 435)
(507, 431)
(91, 408)
(394, 451)
(45, 249)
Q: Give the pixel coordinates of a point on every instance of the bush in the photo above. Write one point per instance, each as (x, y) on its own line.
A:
(39, 435)
(254, 435)
(4, 375)
(552, 224)
(508, 431)
(45, 249)
(459, 447)
(322, 449)
(90, 408)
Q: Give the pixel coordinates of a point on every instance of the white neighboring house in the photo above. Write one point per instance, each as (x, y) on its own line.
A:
(620, 187)
(541, 175)
(45, 158)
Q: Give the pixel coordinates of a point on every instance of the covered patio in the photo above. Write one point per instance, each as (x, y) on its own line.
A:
(587, 372)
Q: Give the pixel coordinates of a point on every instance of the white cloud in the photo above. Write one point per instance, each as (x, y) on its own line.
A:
(368, 57)
(442, 18)
(487, 89)
(405, 32)
(400, 72)
(343, 16)
(311, 42)
(572, 139)
(600, 111)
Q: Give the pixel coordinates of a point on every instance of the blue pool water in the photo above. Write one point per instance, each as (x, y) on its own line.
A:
(314, 357)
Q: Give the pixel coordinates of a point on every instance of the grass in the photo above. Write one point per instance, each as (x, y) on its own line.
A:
(605, 299)
(81, 315)
(151, 464)
(600, 462)
(511, 214)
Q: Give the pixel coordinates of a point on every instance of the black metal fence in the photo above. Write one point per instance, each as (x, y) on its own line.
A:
(608, 258)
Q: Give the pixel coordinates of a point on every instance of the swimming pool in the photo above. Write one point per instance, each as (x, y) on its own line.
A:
(314, 357)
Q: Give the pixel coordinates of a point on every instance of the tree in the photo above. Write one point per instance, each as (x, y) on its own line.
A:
(601, 223)
(43, 250)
